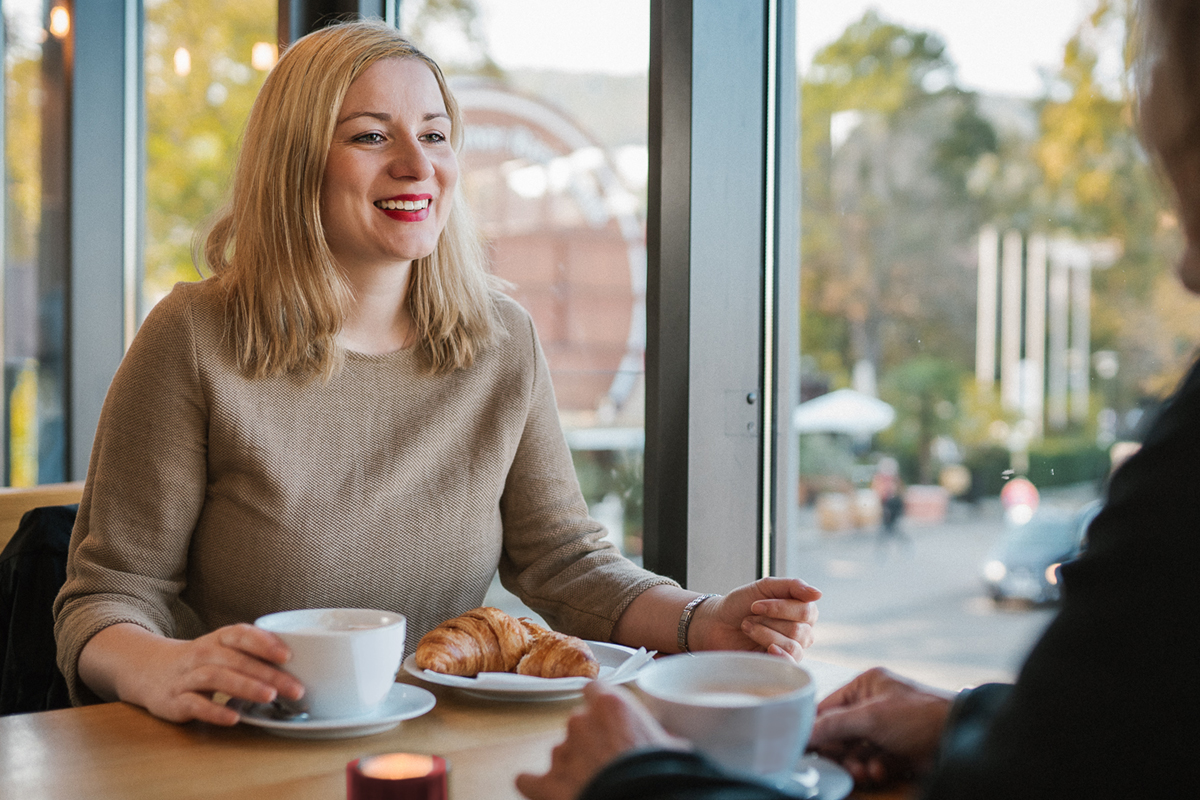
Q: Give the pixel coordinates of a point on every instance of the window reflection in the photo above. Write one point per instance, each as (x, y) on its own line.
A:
(554, 170)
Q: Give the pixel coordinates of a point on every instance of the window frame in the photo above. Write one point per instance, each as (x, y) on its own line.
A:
(722, 291)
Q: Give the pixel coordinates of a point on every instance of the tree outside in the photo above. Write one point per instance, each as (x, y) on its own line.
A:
(201, 79)
(900, 170)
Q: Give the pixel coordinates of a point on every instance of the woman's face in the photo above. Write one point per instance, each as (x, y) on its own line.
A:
(391, 172)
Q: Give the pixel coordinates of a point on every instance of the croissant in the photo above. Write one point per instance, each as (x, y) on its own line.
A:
(557, 655)
(481, 640)
(534, 630)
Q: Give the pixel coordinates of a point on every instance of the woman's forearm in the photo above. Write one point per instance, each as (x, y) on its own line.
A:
(107, 663)
(652, 619)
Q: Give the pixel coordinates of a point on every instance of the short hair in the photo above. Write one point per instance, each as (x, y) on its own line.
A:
(287, 299)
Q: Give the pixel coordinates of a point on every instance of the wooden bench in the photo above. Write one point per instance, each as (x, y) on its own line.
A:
(15, 502)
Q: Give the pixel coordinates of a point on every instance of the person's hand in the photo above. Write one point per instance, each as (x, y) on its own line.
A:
(176, 679)
(612, 722)
(775, 615)
(881, 726)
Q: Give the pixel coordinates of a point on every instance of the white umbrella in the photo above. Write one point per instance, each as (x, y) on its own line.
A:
(843, 411)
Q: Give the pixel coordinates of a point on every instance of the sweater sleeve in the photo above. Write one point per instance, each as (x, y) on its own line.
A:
(144, 490)
(554, 556)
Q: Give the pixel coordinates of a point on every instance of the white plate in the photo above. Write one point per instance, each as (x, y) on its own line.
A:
(819, 778)
(402, 702)
(503, 686)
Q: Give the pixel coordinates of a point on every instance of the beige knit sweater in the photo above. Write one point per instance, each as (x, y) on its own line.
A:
(212, 498)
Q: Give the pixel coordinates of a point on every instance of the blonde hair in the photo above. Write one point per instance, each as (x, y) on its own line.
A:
(287, 298)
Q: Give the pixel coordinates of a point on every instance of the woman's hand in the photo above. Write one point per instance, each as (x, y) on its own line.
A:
(176, 680)
(771, 614)
(610, 724)
(881, 726)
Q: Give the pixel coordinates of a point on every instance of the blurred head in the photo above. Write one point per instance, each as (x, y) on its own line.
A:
(269, 245)
(1170, 111)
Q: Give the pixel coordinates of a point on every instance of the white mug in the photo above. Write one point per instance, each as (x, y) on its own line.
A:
(749, 712)
(347, 658)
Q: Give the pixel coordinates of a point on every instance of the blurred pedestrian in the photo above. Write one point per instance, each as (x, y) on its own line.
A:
(889, 489)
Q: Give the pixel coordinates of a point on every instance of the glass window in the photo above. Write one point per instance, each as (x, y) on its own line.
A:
(984, 251)
(35, 268)
(205, 61)
(554, 169)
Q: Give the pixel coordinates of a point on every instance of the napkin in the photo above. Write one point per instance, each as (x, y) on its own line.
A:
(508, 681)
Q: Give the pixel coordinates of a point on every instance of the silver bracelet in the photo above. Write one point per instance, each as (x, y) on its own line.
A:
(685, 621)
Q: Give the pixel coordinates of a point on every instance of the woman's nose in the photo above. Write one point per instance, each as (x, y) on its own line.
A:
(409, 161)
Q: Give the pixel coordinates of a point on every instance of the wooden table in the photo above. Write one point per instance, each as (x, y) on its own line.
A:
(117, 750)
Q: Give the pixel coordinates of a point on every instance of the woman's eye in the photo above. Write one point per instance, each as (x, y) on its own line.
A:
(434, 137)
(369, 138)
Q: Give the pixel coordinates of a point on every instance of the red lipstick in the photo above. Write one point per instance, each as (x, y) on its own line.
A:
(406, 207)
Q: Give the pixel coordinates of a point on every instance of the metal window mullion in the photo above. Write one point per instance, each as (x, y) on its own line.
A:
(134, 175)
(668, 290)
(769, 284)
(98, 224)
(786, 245)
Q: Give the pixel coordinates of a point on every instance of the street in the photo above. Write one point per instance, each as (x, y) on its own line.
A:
(918, 607)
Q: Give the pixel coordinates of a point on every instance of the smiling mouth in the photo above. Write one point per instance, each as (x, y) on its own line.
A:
(402, 205)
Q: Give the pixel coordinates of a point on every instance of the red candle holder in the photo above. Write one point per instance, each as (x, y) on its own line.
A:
(397, 776)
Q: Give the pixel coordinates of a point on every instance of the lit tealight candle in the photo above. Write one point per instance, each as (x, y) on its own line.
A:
(396, 776)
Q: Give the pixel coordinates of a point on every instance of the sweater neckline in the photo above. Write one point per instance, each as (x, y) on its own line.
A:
(404, 354)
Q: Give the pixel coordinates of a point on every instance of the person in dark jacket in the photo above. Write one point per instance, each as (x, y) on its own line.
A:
(1107, 704)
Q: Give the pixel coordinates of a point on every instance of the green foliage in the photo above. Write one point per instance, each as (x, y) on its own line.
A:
(970, 138)
(619, 472)
(877, 66)
(990, 467)
(23, 134)
(886, 209)
(924, 391)
(823, 456)
(194, 121)
(1067, 462)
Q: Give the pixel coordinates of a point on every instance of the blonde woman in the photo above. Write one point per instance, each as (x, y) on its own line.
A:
(348, 413)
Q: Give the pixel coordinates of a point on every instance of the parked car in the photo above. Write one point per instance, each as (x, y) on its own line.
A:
(1024, 563)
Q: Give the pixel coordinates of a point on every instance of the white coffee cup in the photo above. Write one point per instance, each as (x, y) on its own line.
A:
(749, 712)
(347, 658)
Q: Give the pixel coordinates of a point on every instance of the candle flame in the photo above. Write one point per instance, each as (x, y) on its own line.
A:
(396, 766)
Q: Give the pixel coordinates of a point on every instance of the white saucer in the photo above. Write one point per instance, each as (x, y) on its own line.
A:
(402, 702)
(831, 781)
(524, 688)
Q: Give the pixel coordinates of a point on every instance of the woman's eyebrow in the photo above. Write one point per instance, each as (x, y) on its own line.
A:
(383, 116)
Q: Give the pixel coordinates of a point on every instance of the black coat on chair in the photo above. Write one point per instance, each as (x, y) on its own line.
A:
(32, 569)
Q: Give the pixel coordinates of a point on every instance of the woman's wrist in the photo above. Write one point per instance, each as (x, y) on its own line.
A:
(701, 625)
(683, 631)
